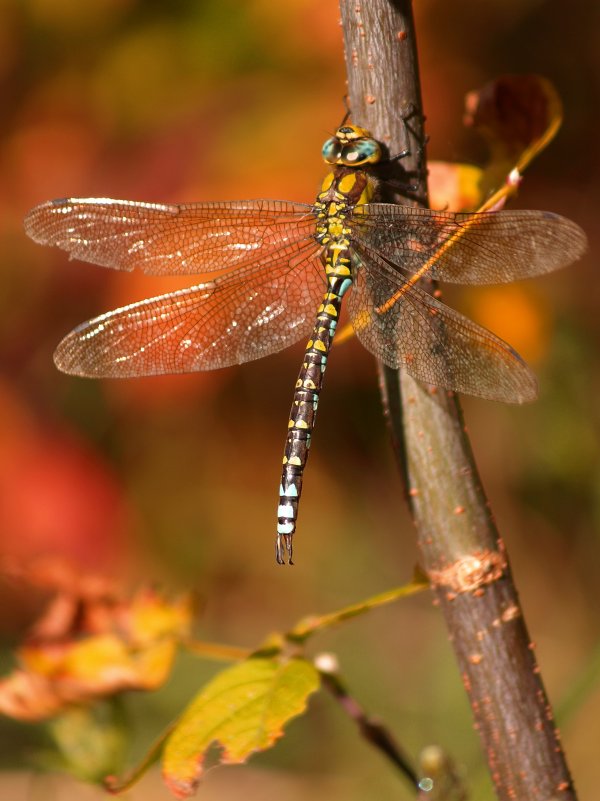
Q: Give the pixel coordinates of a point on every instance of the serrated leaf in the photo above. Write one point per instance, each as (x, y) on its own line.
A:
(242, 710)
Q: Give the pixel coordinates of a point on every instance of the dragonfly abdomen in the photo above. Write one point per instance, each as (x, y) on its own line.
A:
(344, 188)
(304, 410)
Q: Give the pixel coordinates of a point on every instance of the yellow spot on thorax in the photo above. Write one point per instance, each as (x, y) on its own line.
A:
(346, 185)
(366, 195)
(327, 181)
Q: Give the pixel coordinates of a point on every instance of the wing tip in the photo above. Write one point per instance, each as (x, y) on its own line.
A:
(31, 221)
(577, 237)
(520, 386)
(35, 221)
(70, 359)
(530, 395)
(580, 240)
(63, 359)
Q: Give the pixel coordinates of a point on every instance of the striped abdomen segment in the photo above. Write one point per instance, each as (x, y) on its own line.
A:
(304, 410)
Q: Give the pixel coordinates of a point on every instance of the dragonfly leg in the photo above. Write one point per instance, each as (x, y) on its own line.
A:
(401, 155)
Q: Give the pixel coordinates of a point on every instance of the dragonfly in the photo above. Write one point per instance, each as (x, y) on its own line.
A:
(284, 269)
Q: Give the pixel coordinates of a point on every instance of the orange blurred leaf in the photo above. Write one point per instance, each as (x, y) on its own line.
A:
(516, 313)
(28, 697)
(88, 646)
(454, 186)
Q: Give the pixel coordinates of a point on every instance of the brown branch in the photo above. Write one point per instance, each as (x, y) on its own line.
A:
(461, 550)
(372, 729)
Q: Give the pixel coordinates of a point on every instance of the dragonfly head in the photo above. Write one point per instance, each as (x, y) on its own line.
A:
(351, 146)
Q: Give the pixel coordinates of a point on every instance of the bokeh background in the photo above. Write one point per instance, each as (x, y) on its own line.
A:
(174, 479)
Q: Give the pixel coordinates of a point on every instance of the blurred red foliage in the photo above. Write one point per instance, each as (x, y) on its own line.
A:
(57, 495)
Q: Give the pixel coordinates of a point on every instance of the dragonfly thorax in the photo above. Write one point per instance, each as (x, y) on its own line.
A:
(341, 191)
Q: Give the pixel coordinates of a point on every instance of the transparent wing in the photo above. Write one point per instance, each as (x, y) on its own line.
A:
(478, 248)
(241, 316)
(432, 342)
(169, 239)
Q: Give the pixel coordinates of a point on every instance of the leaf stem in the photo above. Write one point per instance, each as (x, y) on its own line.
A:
(315, 623)
(217, 651)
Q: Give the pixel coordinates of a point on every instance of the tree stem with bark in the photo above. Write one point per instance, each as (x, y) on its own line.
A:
(460, 547)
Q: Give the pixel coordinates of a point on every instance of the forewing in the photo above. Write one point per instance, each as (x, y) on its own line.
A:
(478, 248)
(169, 239)
(236, 318)
(432, 342)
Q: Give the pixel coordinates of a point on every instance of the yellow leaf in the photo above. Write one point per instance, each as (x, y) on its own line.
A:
(152, 617)
(242, 710)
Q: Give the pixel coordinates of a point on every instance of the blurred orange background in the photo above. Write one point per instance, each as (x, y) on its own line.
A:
(175, 479)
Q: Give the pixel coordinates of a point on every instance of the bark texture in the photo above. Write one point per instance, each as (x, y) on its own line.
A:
(460, 547)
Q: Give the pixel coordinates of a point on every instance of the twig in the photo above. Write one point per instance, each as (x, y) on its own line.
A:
(461, 550)
(370, 728)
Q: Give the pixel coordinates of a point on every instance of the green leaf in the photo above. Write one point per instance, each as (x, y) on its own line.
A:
(242, 710)
(90, 741)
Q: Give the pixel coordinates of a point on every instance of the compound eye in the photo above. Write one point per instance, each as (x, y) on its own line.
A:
(331, 151)
(363, 151)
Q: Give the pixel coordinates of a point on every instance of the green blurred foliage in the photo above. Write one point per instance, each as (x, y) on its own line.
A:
(175, 479)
